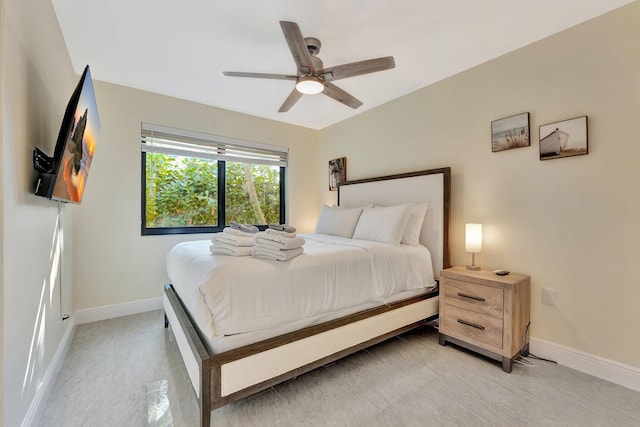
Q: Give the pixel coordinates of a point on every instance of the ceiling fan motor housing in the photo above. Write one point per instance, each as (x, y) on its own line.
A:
(313, 45)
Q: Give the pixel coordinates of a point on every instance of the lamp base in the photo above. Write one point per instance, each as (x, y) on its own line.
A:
(473, 266)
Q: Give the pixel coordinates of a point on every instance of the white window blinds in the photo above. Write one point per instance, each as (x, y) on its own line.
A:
(180, 142)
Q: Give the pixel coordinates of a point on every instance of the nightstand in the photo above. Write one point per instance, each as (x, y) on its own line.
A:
(485, 313)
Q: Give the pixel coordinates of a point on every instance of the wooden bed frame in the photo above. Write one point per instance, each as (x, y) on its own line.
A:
(220, 379)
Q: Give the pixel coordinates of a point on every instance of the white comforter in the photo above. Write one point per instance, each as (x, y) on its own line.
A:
(231, 295)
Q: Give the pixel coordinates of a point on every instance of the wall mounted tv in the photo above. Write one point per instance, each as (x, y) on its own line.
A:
(64, 176)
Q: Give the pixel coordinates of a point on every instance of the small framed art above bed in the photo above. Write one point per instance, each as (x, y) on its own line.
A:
(366, 274)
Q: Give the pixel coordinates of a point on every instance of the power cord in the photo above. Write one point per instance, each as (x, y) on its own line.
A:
(63, 316)
(533, 356)
(525, 350)
(524, 353)
(525, 361)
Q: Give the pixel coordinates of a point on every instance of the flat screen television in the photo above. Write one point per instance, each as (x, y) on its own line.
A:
(64, 176)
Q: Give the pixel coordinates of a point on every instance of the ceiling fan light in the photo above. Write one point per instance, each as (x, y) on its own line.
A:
(309, 85)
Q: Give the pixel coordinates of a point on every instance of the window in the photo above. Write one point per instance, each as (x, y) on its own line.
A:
(194, 182)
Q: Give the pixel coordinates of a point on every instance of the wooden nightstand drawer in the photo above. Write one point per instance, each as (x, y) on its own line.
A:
(472, 296)
(472, 324)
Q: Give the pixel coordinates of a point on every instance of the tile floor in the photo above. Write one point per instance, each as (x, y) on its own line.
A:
(127, 372)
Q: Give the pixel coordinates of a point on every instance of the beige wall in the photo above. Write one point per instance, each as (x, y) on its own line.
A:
(37, 83)
(113, 262)
(572, 223)
(2, 38)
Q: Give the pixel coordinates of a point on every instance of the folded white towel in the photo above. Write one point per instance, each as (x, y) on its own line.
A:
(279, 233)
(233, 239)
(249, 228)
(236, 232)
(230, 250)
(280, 242)
(266, 252)
(283, 227)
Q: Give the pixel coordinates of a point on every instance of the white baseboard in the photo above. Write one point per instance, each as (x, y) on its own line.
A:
(606, 369)
(43, 393)
(117, 310)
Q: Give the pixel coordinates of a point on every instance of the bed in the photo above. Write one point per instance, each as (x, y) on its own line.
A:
(233, 348)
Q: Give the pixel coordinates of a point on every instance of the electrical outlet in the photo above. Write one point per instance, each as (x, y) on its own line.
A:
(549, 296)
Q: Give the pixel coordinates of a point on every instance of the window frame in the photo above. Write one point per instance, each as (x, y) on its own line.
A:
(221, 167)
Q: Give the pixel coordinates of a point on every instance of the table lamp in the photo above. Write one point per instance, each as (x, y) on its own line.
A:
(473, 243)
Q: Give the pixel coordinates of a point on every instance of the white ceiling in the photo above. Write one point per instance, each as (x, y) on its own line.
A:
(180, 47)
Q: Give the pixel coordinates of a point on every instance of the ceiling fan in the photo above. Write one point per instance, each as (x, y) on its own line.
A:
(312, 77)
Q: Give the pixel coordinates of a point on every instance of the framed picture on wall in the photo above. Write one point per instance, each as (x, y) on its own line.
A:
(510, 132)
(564, 139)
(337, 172)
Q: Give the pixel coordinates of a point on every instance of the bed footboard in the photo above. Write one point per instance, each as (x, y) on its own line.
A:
(253, 368)
(194, 354)
(235, 374)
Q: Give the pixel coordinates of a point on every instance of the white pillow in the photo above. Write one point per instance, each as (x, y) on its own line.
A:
(413, 229)
(383, 224)
(338, 221)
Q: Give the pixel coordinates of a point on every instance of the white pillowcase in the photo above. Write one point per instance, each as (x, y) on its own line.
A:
(413, 229)
(383, 224)
(338, 221)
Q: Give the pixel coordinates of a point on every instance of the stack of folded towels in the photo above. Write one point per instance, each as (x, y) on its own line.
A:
(235, 240)
(278, 243)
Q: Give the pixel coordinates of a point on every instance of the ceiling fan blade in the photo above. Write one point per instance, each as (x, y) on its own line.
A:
(340, 95)
(357, 68)
(293, 97)
(298, 47)
(260, 75)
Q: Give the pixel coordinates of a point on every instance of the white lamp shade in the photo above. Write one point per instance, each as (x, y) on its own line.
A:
(473, 238)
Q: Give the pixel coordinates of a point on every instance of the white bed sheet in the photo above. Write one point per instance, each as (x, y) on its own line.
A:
(229, 342)
(236, 295)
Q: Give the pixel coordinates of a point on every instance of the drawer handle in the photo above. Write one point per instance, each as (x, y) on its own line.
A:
(473, 325)
(460, 294)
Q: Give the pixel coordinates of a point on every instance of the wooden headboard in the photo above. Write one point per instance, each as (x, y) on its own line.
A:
(432, 186)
